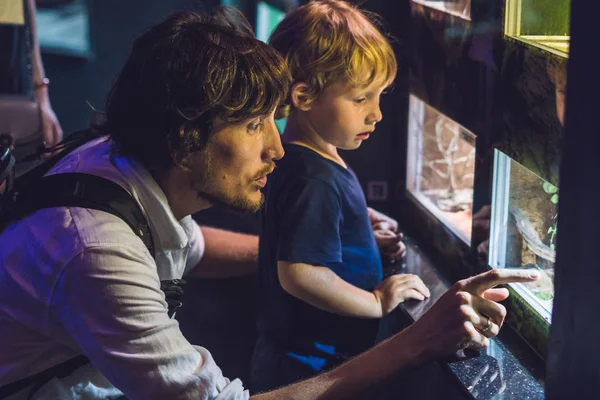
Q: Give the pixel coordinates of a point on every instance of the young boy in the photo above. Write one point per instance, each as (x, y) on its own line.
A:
(320, 267)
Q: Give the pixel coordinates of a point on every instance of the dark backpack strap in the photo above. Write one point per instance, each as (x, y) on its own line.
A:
(64, 148)
(38, 380)
(79, 190)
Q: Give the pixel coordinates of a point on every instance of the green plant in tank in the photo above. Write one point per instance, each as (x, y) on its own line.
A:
(553, 192)
(545, 17)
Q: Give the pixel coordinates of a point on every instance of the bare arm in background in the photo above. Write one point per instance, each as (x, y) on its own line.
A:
(51, 130)
(227, 254)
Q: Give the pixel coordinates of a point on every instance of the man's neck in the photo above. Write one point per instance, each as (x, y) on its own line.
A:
(183, 200)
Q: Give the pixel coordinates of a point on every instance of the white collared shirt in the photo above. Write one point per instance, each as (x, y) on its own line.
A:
(75, 280)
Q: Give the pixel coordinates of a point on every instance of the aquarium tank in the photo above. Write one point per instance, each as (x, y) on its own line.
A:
(523, 228)
(441, 166)
(541, 23)
(458, 8)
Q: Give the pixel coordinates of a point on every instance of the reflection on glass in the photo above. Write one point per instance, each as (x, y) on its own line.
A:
(459, 8)
(63, 27)
(267, 18)
(441, 166)
(523, 228)
(542, 23)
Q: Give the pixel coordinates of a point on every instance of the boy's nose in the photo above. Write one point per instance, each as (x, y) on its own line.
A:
(378, 114)
(374, 116)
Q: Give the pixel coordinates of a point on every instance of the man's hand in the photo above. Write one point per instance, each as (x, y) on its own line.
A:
(398, 288)
(467, 315)
(390, 245)
(380, 221)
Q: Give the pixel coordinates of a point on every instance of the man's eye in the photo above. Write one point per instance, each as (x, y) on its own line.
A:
(254, 127)
(361, 100)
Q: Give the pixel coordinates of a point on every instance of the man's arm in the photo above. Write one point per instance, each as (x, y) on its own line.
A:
(108, 301)
(226, 254)
(349, 380)
(458, 320)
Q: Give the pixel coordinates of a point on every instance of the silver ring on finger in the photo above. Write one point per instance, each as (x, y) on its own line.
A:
(487, 325)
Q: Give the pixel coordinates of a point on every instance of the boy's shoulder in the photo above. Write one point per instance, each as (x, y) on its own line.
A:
(303, 163)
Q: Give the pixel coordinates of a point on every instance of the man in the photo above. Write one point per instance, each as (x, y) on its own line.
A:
(191, 124)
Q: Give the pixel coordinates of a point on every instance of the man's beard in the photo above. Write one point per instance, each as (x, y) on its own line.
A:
(238, 203)
(205, 188)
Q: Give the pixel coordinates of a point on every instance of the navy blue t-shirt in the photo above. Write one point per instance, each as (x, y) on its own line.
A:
(315, 213)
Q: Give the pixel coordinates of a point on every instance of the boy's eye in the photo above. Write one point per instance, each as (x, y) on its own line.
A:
(360, 100)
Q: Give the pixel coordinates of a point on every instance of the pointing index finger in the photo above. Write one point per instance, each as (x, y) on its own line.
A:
(480, 283)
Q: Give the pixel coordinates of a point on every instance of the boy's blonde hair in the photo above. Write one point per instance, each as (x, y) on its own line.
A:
(326, 41)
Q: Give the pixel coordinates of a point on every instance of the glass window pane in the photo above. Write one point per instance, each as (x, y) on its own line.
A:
(458, 8)
(542, 23)
(523, 228)
(441, 166)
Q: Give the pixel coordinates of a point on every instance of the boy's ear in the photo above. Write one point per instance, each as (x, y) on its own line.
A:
(301, 96)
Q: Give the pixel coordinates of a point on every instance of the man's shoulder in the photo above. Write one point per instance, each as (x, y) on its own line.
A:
(67, 231)
(97, 228)
(43, 244)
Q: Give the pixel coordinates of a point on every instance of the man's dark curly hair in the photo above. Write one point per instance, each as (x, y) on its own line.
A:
(181, 76)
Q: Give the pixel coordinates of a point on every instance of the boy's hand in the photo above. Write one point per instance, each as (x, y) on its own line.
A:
(380, 221)
(398, 288)
(390, 244)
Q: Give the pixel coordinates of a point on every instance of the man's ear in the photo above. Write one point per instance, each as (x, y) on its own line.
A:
(301, 96)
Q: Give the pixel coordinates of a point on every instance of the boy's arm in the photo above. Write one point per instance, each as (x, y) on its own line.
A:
(304, 247)
(322, 288)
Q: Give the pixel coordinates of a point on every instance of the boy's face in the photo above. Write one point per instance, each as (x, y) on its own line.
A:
(344, 115)
(232, 168)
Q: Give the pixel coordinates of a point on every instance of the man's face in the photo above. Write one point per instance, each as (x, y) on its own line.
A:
(232, 168)
(344, 115)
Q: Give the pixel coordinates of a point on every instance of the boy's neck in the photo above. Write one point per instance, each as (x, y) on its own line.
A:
(299, 131)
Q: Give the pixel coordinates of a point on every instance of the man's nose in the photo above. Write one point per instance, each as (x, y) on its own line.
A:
(273, 146)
